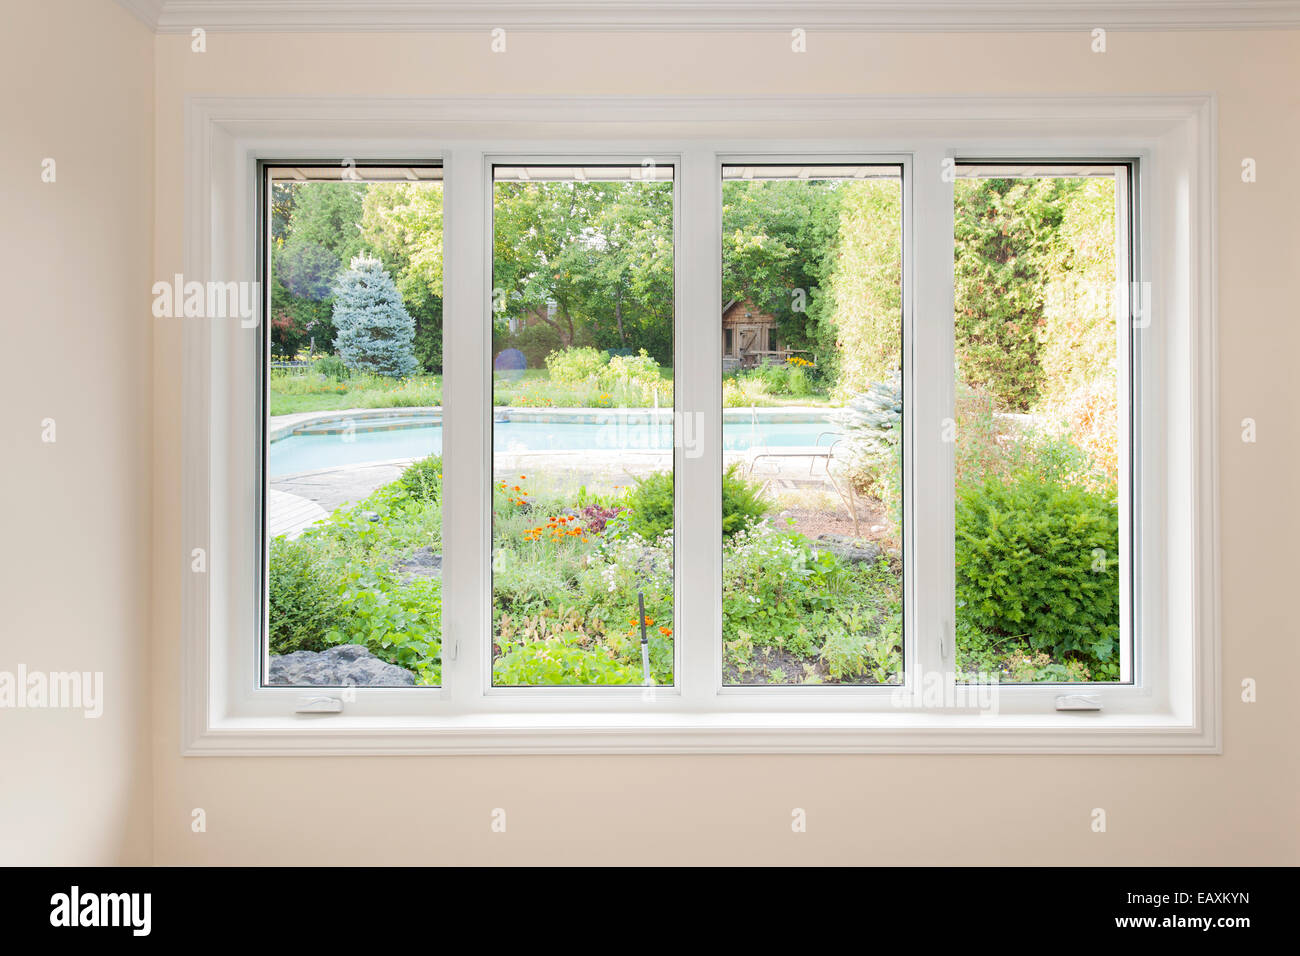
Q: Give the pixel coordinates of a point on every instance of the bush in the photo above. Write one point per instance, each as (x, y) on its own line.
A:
(332, 367)
(536, 342)
(742, 503)
(560, 660)
(422, 480)
(626, 371)
(650, 505)
(798, 383)
(575, 366)
(303, 605)
(1040, 560)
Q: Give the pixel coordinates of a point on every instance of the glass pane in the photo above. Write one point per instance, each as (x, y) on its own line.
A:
(1041, 273)
(812, 425)
(354, 429)
(583, 498)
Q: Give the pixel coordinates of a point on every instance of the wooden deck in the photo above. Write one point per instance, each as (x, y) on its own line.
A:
(290, 515)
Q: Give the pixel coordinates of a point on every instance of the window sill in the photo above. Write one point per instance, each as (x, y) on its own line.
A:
(754, 732)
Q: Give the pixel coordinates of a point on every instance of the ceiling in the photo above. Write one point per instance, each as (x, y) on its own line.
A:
(181, 16)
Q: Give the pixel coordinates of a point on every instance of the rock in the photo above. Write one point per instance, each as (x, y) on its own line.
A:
(420, 563)
(849, 550)
(342, 666)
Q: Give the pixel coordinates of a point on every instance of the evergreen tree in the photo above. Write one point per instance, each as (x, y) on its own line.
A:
(375, 332)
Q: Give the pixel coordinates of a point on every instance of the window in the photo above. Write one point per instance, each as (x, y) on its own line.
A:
(938, 336)
(1042, 424)
(353, 473)
(812, 561)
(583, 493)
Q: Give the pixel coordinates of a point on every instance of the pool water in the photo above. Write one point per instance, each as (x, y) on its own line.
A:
(299, 453)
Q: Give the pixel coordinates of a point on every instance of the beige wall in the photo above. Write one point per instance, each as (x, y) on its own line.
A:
(76, 334)
(1234, 808)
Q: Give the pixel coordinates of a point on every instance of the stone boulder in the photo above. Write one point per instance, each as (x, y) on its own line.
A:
(342, 666)
(848, 550)
(420, 563)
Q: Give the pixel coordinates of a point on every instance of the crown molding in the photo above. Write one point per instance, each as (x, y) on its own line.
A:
(148, 12)
(921, 16)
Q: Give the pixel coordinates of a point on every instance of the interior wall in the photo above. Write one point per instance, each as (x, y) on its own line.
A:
(1237, 808)
(76, 266)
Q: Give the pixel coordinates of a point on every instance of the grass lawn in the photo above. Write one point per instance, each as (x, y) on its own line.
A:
(292, 392)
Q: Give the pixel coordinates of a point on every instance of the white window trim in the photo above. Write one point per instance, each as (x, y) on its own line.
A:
(1174, 707)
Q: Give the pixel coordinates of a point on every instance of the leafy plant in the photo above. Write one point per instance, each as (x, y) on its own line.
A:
(575, 365)
(332, 367)
(302, 599)
(560, 660)
(422, 480)
(401, 624)
(1040, 560)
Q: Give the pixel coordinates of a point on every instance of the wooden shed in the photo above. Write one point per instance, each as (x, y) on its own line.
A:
(749, 337)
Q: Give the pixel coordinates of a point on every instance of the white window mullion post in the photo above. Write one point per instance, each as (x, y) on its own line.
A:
(929, 396)
(697, 387)
(466, 449)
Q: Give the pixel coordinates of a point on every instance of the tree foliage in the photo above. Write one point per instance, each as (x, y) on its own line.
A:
(777, 243)
(866, 285)
(375, 332)
(1005, 245)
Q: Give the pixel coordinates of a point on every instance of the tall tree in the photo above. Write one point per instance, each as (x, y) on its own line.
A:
(1006, 235)
(403, 223)
(375, 332)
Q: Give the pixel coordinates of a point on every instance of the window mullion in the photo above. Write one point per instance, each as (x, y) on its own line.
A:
(466, 402)
(698, 390)
(929, 398)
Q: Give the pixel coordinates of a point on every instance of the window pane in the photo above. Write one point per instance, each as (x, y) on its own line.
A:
(812, 425)
(583, 500)
(354, 430)
(1041, 269)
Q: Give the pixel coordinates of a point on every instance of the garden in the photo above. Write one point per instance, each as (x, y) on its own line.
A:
(583, 553)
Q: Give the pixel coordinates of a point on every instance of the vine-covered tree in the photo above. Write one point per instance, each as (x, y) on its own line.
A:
(375, 332)
(1006, 244)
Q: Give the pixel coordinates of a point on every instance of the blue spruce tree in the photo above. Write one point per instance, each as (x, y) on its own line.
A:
(375, 332)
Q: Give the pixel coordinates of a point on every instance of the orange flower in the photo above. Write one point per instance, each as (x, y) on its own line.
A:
(666, 631)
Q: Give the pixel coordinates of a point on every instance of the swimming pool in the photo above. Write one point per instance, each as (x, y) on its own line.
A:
(409, 439)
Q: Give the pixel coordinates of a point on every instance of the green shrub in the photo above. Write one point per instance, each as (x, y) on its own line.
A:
(798, 383)
(640, 367)
(536, 342)
(560, 660)
(332, 367)
(422, 480)
(575, 366)
(742, 502)
(1040, 560)
(398, 623)
(303, 604)
(650, 505)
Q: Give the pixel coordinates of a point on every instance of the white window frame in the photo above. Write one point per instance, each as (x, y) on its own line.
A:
(1173, 705)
